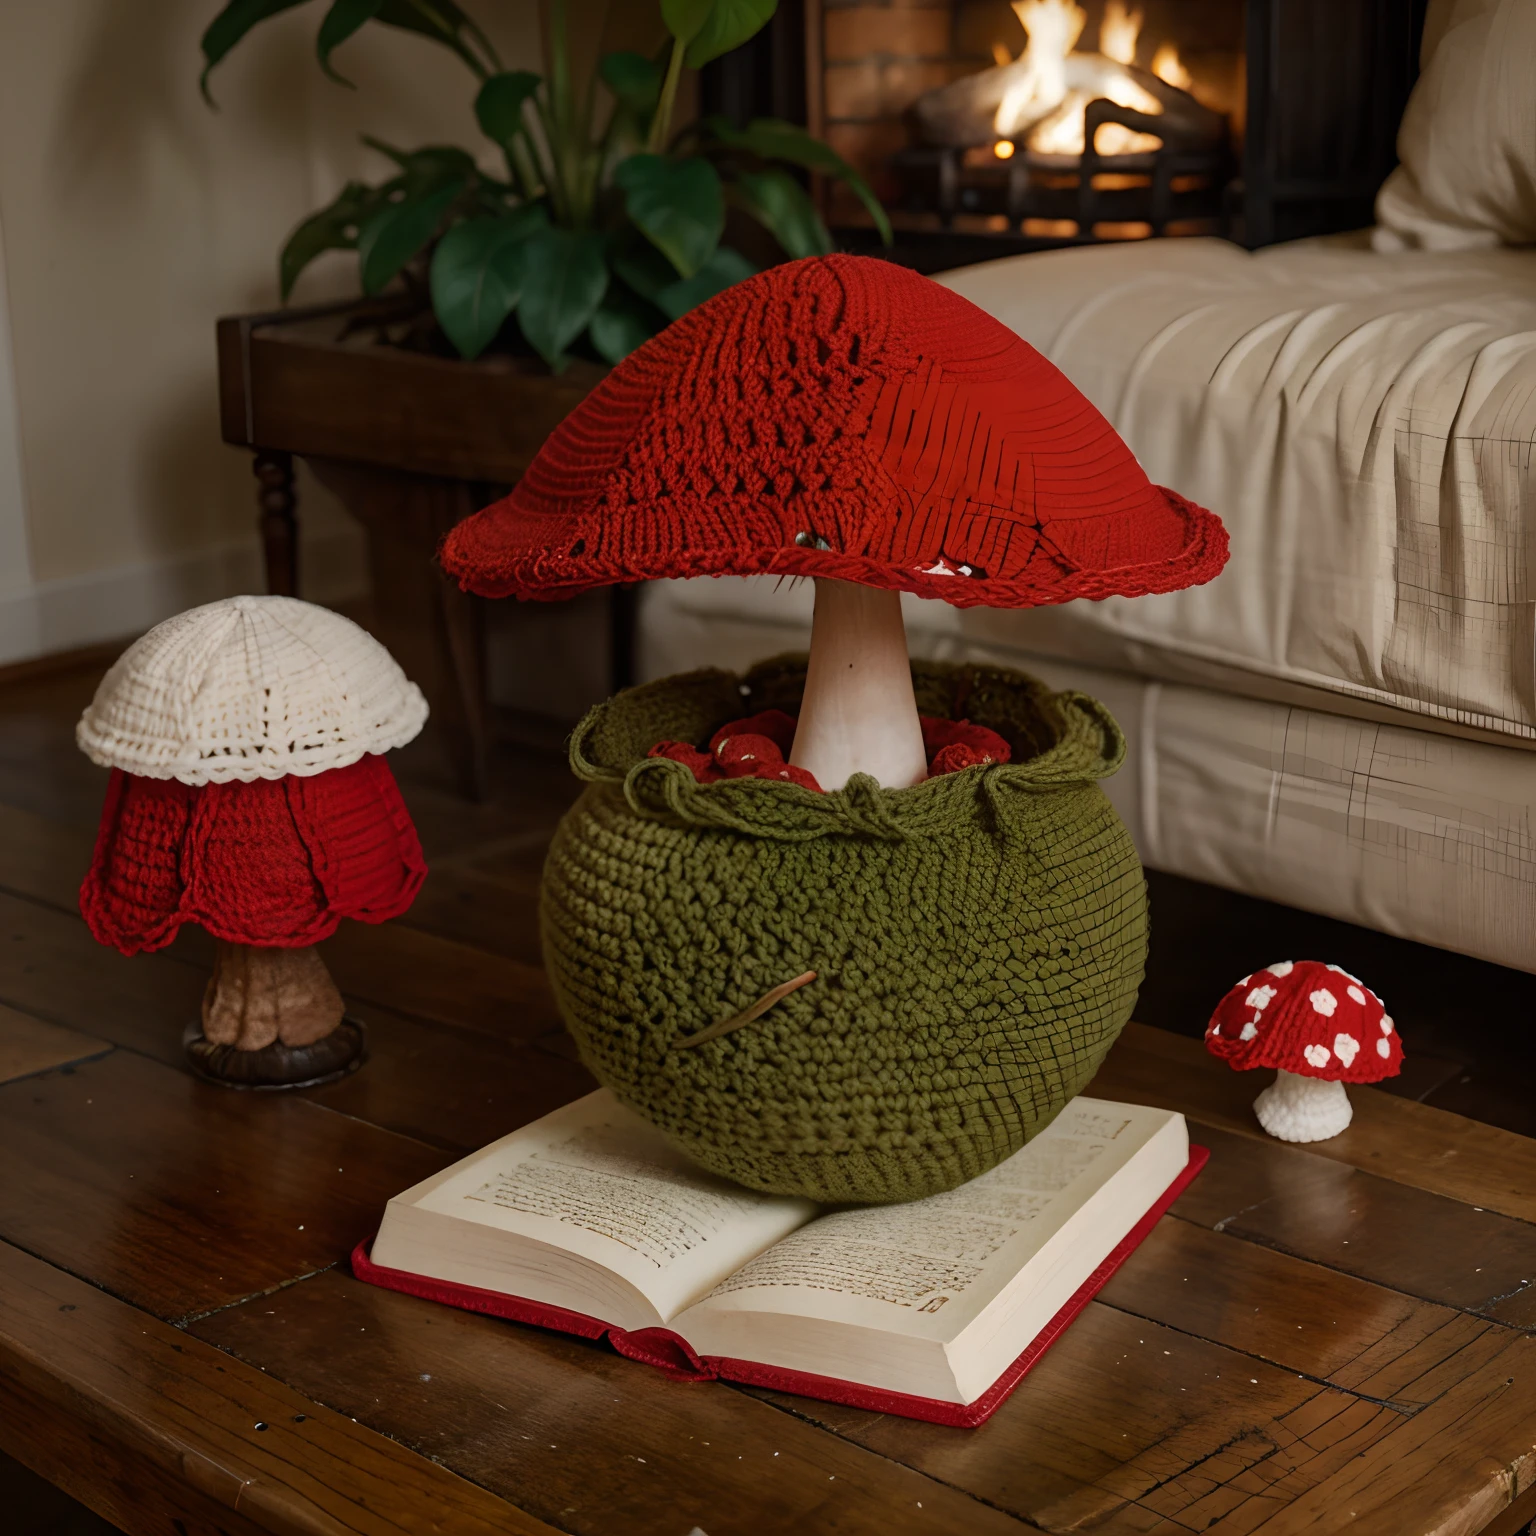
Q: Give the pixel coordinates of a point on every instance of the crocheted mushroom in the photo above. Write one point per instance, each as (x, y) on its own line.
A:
(247, 796)
(854, 974)
(1320, 1028)
(845, 419)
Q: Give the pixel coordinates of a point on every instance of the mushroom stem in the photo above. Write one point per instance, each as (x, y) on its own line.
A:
(259, 995)
(1297, 1108)
(859, 714)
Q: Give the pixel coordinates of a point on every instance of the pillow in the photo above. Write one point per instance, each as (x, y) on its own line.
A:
(1468, 139)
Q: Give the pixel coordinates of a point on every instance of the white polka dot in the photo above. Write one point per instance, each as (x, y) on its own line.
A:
(1248, 1032)
(1324, 1002)
(1281, 968)
(1317, 1055)
(1346, 1048)
(1356, 994)
(1214, 1030)
(1383, 1047)
(1259, 998)
(1386, 1023)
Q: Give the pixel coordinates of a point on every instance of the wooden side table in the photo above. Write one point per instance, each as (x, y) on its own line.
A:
(410, 443)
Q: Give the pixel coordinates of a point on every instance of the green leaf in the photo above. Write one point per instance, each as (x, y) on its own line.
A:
(634, 80)
(779, 203)
(477, 276)
(685, 19)
(229, 26)
(398, 231)
(441, 20)
(678, 205)
(644, 268)
(341, 21)
(722, 269)
(333, 228)
(564, 280)
(623, 322)
(427, 168)
(730, 24)
(499, 104)
(771, 139)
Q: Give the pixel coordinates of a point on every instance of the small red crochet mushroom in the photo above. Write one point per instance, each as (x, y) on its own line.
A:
(1320, 1028)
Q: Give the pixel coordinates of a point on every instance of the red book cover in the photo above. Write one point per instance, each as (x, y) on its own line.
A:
(670, 1353)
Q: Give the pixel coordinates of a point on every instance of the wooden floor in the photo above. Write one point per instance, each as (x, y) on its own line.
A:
(194, 1236)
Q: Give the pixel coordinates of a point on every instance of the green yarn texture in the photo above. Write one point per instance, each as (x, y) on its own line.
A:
(978, 939)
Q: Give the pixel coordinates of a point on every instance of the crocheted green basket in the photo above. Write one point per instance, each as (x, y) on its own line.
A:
(977, 939)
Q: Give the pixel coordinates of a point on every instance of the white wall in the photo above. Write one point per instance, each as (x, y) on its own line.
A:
(131, 217)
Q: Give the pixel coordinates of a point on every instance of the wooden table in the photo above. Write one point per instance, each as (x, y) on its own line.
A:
(1319, 1340)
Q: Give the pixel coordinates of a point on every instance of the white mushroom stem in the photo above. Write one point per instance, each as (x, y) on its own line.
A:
(1296, 1108)
(859, 714)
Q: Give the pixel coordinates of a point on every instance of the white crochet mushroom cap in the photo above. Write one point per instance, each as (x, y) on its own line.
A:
(249, 688)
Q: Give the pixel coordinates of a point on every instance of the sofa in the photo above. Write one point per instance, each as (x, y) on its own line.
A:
(1345, 719)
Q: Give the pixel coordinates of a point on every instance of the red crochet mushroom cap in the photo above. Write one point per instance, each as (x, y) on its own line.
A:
(275, 862)
(1308, 1018)
(840, 416)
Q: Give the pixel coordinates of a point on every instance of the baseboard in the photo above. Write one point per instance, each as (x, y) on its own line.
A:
(79, 611)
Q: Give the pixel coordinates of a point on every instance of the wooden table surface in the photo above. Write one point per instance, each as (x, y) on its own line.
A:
(1319, 1340)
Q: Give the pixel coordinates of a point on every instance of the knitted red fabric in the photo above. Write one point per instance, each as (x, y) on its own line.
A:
(840, 416)
(274, 862)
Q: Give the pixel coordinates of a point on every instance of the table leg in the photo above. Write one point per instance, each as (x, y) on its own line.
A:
(279, 524)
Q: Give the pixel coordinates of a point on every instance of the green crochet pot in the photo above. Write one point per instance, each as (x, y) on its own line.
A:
(978, 938)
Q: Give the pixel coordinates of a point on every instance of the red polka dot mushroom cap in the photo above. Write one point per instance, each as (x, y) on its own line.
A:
(1308, 1018)
(840, 417)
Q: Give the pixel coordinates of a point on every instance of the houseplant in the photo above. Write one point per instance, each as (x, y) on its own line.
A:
(609, 222)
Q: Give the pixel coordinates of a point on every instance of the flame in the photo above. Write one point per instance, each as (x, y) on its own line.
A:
(1039, 99)
(1168, 67)
(1118, 32)
(1003, 149)
(1000, 54)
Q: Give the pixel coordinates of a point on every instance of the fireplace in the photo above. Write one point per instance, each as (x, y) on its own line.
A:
(989, 126)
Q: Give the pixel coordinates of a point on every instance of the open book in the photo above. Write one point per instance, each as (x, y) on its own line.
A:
(589, 1220)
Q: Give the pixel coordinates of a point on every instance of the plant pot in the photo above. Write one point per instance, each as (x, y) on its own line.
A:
(978, 939)
(411, 443)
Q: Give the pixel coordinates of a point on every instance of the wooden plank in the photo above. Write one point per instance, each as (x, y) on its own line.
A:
(574, 1433)
(1324, 1211)
(1448, 1471)
(157, 1431)
(52, 968)
(29, 1046)
(1126, 1423)
(1396, 1138)
(180, 1197)
(1298, 1315)
(455, 1088)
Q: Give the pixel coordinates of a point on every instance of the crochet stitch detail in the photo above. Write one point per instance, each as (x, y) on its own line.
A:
(840, 417)
(249, 688)
(978, 939)
(271, 862)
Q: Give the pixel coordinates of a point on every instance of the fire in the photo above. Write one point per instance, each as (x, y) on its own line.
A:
(1041, 107)
(1167, 66)
(1118, 33)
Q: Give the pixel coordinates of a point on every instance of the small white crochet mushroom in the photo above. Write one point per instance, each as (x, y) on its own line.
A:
(1320, 1028)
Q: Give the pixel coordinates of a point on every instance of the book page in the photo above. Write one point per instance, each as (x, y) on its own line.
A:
(595, 1180)
(929, 1267)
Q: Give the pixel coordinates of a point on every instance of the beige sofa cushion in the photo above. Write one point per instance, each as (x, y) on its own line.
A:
(1365, 424)
(1468, 139)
